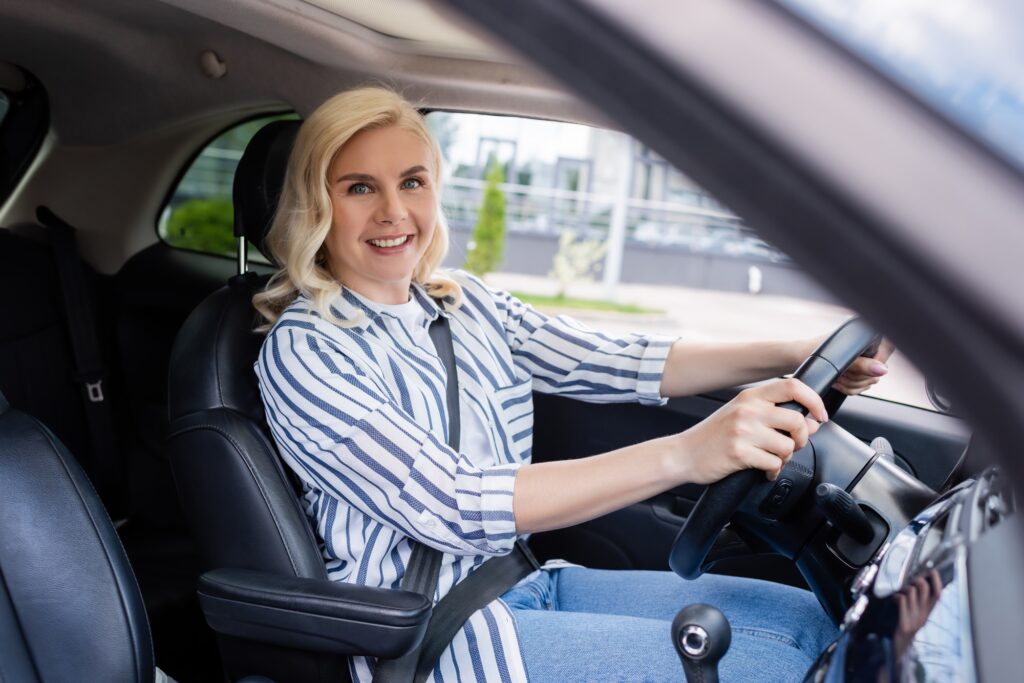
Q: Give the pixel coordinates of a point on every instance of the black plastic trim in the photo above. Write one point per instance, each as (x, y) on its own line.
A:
(22, 132)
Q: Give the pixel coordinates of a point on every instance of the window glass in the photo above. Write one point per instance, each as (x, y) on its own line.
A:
(595, 224)
(4, 104)
(199, 215)
(963, 57)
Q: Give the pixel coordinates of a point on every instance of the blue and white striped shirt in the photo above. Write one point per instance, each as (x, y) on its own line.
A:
(360, 414)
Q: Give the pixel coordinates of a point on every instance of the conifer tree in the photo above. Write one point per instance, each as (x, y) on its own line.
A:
(488, 241)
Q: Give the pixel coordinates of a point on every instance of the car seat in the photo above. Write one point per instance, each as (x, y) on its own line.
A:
(70, 609)
(268, 596)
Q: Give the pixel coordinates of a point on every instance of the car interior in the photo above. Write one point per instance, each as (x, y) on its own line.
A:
(145, 518)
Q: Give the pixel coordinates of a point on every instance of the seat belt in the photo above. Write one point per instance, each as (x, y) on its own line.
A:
(89, 373)
(485, 585)
(489, 581)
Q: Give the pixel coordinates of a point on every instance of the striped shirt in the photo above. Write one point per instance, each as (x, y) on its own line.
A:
(359, 413)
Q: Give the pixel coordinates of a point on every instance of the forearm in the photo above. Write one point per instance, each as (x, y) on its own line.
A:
(553, 495)
(751, 430)
(694, 366)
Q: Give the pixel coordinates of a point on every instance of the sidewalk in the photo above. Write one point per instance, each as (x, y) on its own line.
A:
(722, 316)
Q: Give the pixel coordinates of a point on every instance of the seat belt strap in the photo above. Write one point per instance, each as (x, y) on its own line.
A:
(424, 567)
(441, 335)
(486, 583)
(89, 373)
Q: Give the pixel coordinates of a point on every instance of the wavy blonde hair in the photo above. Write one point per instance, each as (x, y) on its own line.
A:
(303, 217)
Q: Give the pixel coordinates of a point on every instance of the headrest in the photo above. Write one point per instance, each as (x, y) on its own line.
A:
(259, 178)
(212, 357)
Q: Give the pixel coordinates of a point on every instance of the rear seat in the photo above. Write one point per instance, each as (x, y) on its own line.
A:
(37, 367)
(37, 371)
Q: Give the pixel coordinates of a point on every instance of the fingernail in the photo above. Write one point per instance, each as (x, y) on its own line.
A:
(771, 476)
(878, 369)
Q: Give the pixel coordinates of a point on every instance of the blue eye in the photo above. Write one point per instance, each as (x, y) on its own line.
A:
(359, 188)
(411, 183)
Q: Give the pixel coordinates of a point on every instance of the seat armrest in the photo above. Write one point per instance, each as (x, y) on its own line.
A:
(313, 614)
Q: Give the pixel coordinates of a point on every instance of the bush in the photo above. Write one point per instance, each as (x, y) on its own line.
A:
(203, 225)
(576, 261)
(488, 240)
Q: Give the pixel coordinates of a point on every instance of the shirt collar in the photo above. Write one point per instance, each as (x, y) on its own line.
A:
(350, 306)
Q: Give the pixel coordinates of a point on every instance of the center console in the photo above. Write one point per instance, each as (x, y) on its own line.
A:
(910, 619)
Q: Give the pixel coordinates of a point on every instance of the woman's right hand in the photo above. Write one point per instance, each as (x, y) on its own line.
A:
(751, 431)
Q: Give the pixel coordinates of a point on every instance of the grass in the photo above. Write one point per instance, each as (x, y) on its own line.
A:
(540, 300)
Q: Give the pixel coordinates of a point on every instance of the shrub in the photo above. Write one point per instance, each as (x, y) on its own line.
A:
(203, 225)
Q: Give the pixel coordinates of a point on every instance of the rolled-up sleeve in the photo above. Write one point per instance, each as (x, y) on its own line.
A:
(566, 357)
(344, 434)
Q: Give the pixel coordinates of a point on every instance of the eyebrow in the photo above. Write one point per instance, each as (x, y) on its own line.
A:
(364, 177)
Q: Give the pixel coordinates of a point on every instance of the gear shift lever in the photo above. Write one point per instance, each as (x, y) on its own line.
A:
(701, 634)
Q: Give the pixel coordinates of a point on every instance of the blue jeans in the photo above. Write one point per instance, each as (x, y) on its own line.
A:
(578, 624)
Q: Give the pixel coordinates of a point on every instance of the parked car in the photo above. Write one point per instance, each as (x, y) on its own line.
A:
(906, 210)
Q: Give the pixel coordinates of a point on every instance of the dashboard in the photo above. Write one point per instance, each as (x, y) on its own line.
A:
(910, 617)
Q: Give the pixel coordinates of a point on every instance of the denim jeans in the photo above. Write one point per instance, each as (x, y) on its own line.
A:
(578, 624)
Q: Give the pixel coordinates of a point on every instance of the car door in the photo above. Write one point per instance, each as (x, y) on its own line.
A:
(910, 214)
(651, 251)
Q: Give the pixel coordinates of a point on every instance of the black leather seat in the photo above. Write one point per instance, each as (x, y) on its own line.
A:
(270, 601)
(70, 609)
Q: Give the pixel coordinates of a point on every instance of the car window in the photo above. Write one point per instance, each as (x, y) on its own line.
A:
(963, 57)
(199, 214)
(591, 222)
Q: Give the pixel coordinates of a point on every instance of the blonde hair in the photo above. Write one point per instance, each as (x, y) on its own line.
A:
(303, 217)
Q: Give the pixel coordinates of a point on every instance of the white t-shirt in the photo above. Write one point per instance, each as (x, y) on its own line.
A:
(472, 432)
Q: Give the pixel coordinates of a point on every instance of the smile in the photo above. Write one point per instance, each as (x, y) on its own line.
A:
(394, 242)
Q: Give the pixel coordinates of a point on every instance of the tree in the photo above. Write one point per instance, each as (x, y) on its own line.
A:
(488, 240)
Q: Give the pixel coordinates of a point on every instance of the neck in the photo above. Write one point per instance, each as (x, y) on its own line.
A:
(389, 293)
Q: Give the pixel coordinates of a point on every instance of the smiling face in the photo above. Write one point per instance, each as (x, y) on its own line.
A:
(384, 212)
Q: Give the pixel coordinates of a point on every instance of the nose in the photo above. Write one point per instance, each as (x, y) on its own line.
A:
(389, 210)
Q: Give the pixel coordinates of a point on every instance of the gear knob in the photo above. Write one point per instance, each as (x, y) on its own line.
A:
(701, 634)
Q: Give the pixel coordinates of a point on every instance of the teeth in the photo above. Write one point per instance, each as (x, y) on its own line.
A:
(390, 243)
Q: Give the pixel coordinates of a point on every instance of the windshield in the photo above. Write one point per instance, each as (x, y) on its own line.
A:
(963, 57)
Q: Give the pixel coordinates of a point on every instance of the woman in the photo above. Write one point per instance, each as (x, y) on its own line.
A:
(355, 397)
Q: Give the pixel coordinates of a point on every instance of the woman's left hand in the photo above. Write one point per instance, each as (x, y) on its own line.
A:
(865, 371)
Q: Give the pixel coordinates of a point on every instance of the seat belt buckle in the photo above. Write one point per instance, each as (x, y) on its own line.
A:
(94, 390)
(92, 382)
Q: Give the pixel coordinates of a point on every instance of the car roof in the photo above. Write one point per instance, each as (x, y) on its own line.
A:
(94, 57)
(133, 95)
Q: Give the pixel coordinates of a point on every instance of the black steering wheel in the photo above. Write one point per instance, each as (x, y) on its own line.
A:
(721, 500)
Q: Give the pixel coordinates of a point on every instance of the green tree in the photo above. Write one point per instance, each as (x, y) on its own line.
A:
(488, 240)
(203, 225)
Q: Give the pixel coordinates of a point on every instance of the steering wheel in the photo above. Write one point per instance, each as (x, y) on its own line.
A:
(722, 499)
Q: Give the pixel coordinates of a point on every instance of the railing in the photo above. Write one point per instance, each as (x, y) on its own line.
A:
(549, 211)
(697, 224)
